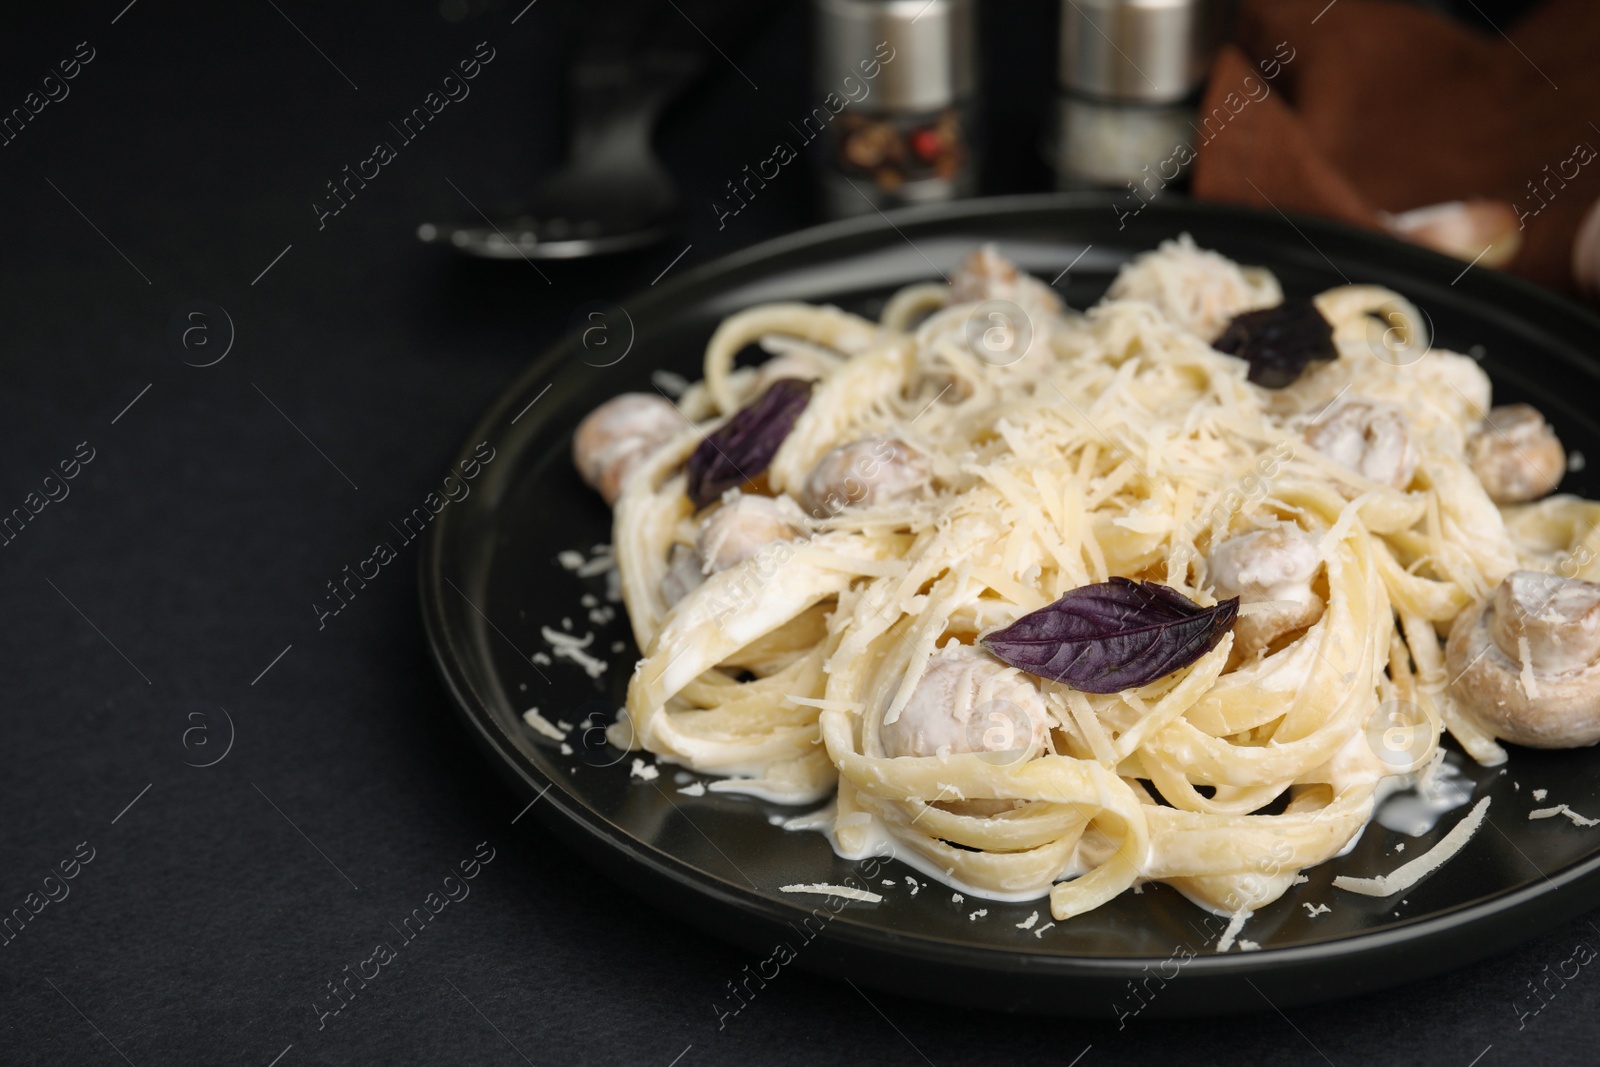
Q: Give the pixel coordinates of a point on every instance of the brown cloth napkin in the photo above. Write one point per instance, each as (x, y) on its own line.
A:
(1362, 107)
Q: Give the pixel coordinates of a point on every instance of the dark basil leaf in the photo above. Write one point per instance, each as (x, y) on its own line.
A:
(1113, 635)
(1278, 342)
(742, 448)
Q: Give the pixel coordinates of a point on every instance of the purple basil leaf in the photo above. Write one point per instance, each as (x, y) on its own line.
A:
(1278, 342)
(742, 448)
(1113, 635)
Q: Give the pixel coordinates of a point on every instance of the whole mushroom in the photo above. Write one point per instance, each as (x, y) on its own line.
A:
(1516, 455)
(613, 438)
(1526, 661)
(869, 471)
(1370, 438)
(738, 530)
(1275, 566)
(741, 528)
(968, 701)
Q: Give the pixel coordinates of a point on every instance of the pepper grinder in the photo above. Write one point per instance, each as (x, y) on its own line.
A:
(1130, 78)
(894, 85)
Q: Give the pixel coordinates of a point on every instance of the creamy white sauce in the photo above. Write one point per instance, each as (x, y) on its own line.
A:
(1413, 804)
(880, 843)
(762, 789)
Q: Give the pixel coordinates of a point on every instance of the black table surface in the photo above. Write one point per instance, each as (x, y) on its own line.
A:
(159, 603)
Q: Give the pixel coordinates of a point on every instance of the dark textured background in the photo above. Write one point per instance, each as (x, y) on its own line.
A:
(189, 551)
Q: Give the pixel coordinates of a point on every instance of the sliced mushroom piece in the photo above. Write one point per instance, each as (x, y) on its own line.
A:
(613, 438)
(1516, 455)
(1370, 438)
(869, 471)
(1526, 661)
(745, 525)
(1273, 566)
(968, 702)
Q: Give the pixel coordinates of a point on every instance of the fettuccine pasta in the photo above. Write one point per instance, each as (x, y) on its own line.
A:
(816, 632)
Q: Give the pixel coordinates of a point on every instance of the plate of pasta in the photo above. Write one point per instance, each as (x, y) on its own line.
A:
(1019, 606)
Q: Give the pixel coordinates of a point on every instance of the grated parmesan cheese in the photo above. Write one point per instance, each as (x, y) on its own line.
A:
(975, 916)
(674, 385)
(644, 771)
(1313, 910)
(1027, 924)
(569, 647)
(1235, 924)
(1409, 874)
(600, 564)
(1562, 809)
(694, 789)
(543, 725)
(824, 889)
(1529, 686)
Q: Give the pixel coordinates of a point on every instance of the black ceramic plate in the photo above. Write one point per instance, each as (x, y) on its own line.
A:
(491, 579)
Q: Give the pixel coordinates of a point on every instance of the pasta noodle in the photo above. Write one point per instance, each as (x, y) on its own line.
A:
(1054, 449)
